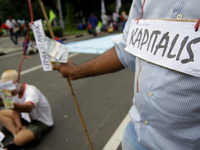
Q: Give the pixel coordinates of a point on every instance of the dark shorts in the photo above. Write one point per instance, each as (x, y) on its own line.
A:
(37, 128)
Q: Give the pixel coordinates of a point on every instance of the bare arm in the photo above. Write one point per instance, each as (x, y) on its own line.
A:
(108, 62)
(23, 107)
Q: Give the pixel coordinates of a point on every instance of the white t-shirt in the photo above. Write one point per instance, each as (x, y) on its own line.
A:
(11, 24)
(105, 19)
(41, 110)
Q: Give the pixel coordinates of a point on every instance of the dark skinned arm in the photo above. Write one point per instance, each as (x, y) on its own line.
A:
(108, 62)
(27, 107)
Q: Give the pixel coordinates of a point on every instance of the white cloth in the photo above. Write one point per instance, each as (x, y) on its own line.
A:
(104, 19)
(31, 48)
(166, 110)
(115, 16)
(11, 24)
(42, 110)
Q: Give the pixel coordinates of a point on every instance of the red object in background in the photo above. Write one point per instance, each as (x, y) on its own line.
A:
(4, 26)
(56, 38)
(89, 26)
(23, 26)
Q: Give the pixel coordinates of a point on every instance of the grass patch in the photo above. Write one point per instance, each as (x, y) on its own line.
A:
(72, 32)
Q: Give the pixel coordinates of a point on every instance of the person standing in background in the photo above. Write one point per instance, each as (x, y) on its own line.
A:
(124, 18)
(105, 20)
(93, 21)
(12, 27)
(115, 17)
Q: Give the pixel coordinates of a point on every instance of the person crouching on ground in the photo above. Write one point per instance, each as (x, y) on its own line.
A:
(27, 98)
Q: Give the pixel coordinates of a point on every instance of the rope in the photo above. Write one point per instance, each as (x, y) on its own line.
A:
(26, 39)
(197, 25)
(141, 13)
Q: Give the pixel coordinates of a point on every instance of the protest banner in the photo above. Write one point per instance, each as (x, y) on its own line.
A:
(170, 44)
(39, 35)
(50, 50)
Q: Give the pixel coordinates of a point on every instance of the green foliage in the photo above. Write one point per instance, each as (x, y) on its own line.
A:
(70, 18)
(19, 9)
(75, 32)
(56, 30)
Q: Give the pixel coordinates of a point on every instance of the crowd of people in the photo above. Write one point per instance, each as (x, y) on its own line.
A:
(14, 28)
(18, 28)
(107, 23)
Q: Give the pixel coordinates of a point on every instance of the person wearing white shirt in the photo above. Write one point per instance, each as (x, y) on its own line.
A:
(12, 24)
(165, 114)
(105, 21)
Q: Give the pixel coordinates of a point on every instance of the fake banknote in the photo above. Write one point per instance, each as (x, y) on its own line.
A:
(57, 51)
(7, 98)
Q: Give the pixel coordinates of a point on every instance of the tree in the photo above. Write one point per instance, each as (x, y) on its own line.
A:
(70, 21)
(20, 10)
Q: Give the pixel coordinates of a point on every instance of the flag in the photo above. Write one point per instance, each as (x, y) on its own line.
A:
(118, 6)
(51, 16)
(103, 10)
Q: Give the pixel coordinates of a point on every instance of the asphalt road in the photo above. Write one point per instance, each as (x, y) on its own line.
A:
(104, 101)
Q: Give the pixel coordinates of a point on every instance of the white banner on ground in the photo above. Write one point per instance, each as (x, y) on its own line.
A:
(39, 36)
(92, 46)
(171, 44)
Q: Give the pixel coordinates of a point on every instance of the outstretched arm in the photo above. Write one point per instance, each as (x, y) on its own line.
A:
(108, 62)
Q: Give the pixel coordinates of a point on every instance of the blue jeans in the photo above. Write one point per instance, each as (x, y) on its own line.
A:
(15, 36)
(130, 139)
(94, 30)
(123, 25)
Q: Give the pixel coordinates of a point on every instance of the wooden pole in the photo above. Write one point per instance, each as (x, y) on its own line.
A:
(69, 82)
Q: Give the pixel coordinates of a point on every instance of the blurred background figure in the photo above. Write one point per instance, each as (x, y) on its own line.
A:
(93, 21)
(124, 18)
(115, 17)
(13, 28)
(105, 21)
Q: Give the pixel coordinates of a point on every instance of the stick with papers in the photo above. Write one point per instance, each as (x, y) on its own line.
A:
(70, 85)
